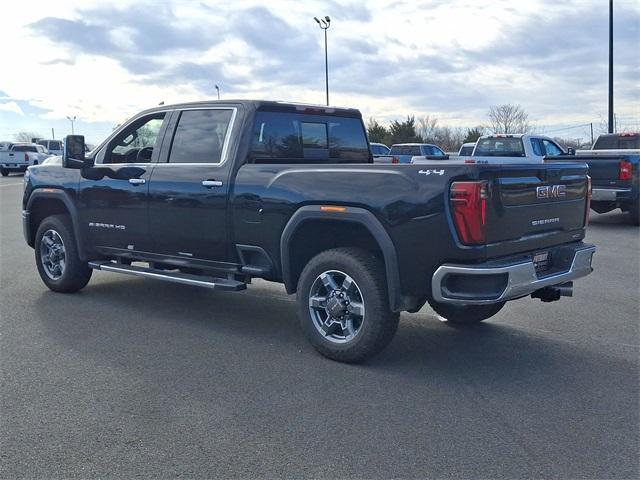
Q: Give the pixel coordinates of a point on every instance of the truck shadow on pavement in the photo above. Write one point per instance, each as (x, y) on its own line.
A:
(260, 327)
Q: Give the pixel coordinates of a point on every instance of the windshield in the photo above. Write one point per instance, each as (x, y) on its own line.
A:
(499, 147)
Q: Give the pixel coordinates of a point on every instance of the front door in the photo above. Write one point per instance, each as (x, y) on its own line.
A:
(188, 192)
(113, 194)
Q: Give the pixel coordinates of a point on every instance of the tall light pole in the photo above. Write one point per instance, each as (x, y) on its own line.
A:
(72, 119)
(324, 24)
(611, 120)
(218, 90)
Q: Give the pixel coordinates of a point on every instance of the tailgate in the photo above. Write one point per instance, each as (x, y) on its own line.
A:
(603, 170)
(541, 204)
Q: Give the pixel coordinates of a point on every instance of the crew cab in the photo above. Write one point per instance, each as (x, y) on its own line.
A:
(214, 194)
(614, 167)
(19, 156)
(514, 148)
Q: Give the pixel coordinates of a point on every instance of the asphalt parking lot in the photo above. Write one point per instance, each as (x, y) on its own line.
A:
(136, 378)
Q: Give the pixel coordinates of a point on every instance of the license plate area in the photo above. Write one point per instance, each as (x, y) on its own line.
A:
(542, 261)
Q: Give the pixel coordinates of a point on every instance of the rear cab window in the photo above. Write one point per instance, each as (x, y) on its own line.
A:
(25, 148)
(499, 147)
(621, 141)
(284, 137)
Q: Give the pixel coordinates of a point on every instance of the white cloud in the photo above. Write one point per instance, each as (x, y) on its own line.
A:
(11, 107)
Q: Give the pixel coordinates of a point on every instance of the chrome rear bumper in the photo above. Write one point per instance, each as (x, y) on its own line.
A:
(609, 194)
(516, 280)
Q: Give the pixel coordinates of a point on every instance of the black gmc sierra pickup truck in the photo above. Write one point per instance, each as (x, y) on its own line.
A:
(214, 194)
(614, 168)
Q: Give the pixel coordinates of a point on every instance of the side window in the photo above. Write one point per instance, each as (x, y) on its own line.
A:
(135, 143)
(276, 136)
(537, 147)
(200, 136)
(300, 138)
(551, 148)
(347, 141)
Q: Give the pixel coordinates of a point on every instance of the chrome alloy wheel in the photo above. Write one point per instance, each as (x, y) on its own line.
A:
(336, 306)
(52, 254)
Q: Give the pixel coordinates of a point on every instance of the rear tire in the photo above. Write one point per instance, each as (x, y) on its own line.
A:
(57, 259)
(464, 315)
(344, 306)
(4, 172)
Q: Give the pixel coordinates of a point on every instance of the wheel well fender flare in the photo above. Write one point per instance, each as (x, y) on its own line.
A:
(61, 195)
(354, 215)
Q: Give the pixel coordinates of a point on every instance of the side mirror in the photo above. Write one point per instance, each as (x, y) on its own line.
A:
(571, 151)
(73, 155)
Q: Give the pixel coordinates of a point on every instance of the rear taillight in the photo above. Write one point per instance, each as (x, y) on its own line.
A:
(469, 161)
(589, 193)
(395, 159)
(625, 171)
(469, 207)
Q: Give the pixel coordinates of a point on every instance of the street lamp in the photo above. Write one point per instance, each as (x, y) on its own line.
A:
(218, 90)
(324, 24)
(611, 119)
(71, 119)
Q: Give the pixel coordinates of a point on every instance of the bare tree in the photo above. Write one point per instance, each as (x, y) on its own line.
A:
(508, 118)
(427, 127)
(26, 136)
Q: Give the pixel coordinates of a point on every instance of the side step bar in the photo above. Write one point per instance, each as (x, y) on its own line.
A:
(186, 278)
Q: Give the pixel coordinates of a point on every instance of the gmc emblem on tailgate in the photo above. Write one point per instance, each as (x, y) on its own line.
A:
(551, 191)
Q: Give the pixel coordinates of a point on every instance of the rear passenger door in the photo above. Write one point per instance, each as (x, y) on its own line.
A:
(189, 189)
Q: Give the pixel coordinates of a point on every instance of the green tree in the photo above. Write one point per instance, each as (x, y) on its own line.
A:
(473, 134)
(404, 132)
(376, 132)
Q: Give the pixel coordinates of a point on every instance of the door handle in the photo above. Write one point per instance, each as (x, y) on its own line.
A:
(137, 181)
(211, 183)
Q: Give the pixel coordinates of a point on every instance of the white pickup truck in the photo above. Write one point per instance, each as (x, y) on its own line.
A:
(18, 156)
(514, 148)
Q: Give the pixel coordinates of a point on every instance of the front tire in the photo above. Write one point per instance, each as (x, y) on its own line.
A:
(57, 259)
(464, 315)
(344, 306)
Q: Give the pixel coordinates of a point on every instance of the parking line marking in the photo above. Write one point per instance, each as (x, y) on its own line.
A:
(11, 184)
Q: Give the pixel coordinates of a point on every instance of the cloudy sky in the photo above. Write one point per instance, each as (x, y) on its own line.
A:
(104, 61)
